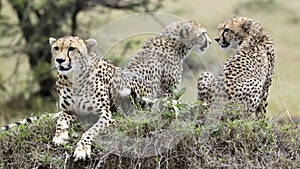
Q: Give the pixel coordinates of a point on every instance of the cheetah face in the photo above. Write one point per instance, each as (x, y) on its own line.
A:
(232, 32)
(194, 34)
(66, 52)
(201, 42)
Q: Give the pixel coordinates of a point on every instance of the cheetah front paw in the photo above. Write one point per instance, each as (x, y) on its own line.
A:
(82, 152)
(61, 138)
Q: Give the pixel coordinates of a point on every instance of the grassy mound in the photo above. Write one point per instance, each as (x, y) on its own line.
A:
(176, 137)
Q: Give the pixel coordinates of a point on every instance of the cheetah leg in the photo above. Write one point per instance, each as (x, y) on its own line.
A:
(262, 108)
(168, 83)
(204, 86)
(62, 127)
(83, 148)
(252, 91)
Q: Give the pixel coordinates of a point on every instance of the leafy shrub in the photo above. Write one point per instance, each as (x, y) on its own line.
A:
(173, 134)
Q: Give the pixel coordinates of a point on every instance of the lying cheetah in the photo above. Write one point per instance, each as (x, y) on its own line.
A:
(247, 74)
(88, 84)
(160, 60)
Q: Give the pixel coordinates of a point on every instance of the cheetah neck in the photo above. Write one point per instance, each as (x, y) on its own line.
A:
(181, 47)
(260, 50)
(257, 35)
(84, 67)
(255, 41)
(168, 44)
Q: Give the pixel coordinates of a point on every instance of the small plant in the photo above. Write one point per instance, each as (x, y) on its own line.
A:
(161, 138)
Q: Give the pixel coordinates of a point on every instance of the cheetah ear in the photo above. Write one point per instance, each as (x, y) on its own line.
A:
(247, 25)
(185, 31)
(90, 44)
(52, 41)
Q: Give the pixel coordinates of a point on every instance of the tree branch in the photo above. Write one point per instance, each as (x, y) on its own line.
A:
(119, 4)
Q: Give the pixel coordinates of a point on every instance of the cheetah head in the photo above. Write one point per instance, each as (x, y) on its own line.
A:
(67, 50)
(194, 35)
(233, 31)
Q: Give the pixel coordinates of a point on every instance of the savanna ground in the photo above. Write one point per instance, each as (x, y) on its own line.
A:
(181, 135)
(235, 144)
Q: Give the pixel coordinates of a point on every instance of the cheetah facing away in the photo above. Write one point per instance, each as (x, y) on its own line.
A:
(160, 60)
(88, 84)
(247, 74)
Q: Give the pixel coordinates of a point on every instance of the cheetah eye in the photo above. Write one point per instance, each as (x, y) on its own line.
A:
(56, 48)
(72, 48)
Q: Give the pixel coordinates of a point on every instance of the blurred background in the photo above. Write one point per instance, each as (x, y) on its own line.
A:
(27, 82)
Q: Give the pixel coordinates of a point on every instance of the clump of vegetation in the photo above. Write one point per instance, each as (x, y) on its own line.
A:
(173, 134)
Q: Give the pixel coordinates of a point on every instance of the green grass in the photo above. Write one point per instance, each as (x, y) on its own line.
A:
(173, 134)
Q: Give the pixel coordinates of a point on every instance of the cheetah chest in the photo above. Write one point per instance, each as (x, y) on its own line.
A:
(83, 95)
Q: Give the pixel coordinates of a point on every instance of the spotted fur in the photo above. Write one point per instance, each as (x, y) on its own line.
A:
(30, 120)
(160, 60)
(247, 74)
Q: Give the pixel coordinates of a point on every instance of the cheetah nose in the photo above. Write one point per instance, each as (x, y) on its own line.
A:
(59, 60)
(217, 39)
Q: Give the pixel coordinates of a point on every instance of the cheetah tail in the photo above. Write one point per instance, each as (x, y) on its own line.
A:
(30, 120)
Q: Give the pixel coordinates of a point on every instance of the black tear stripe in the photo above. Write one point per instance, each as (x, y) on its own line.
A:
(69, 55)
(223, 35)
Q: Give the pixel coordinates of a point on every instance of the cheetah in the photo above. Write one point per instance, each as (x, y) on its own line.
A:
(88, 84)
(247, 74)
(160, 60)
